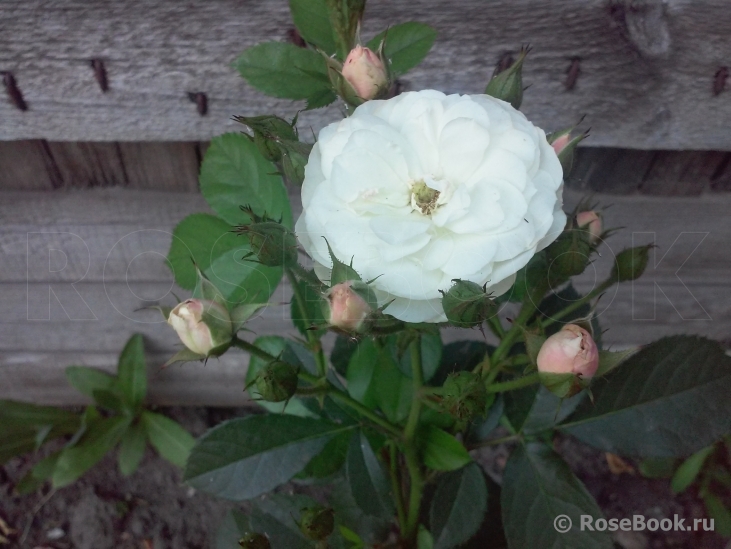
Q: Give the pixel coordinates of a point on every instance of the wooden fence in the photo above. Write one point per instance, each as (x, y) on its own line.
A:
(92, 182)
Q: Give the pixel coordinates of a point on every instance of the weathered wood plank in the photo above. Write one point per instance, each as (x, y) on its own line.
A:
(646, 69)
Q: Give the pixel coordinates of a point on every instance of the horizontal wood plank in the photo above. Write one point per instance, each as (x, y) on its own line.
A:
(646, 69)
(76, 266)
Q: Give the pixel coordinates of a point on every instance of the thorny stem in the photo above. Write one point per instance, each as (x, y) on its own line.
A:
(578, 303)
(410, 451)
(514, 384)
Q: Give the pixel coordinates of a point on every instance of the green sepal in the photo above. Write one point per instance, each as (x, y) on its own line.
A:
(566, 154)
(340, 272)
(205, 289)
(609, 360)
(533, 344)
(630, 263)
(184, 355)
(508, 84)
(241, 314)
(562, 385)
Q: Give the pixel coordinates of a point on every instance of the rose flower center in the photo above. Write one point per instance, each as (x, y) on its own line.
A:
(424, 197)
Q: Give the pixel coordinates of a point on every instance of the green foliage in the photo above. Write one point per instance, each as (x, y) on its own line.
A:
(368, 481)
(441, 451)
(25, 427)
(284, 70)
(407, 44)
(635, 407)
(458, 506)
(243, 458)
(312, 20)
(538, 486)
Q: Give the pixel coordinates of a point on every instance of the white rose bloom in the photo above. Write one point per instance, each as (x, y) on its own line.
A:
(424, 188)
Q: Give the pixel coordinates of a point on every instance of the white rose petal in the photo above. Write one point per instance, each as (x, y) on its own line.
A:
(425, 188)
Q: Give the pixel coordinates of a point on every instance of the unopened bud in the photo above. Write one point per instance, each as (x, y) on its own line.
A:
(254, 541)
(349, 304)
(631, 263)
(565, 146)
(366, 72)
(568, 256)
(203, 326)
(568, 360)
(467, 304)
(592, 222)
(508, 84)
(273, 244)
(464, 395)
(277, 381)
(317, 523)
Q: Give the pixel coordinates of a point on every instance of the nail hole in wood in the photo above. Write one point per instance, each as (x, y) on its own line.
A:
(572, 73)
(719, 80)
(201, 102)
(14, 93)
(100, 73)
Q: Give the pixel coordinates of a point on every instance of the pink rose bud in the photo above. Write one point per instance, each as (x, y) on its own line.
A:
(348, 309)
(569, 351)
(591, 221)
(560, 143)
(364, 70)
(201, 325)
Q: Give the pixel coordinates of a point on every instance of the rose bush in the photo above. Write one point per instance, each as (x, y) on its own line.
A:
(425, 188)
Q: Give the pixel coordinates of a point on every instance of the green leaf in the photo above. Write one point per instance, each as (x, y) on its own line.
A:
(132, 449)
(275, 517)
(235, 174)
(205, 289)
(36, 477)
(240, 315)
(100, 437)
(441, 451)
(232, 528)
(536, 409)
(371, 530)
(424, 539)
(668, 400)
(312, 20)
(274, 345)
(132, 372)
(431, 356)
(170, 440)
(689, 469)
(342, 352)
(658, 467)
(207, 241)
(86, 380)
(393, 391)
(242, 458)
(284, 70)
(26, 426)
(538, 486)
(719, 513)
(110, 400)
(458, 506)
(361, 370)
(368, 481)
(330, 460)
(407, 45)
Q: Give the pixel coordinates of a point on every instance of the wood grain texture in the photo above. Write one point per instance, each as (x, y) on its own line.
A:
(77, 264)
(645, 80)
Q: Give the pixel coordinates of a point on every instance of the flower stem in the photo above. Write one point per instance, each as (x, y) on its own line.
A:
(314, 341)
(578, 303)
(252, 349)
(495, 441)
(410, 451)
(496, 326)
(396, 486)
(526, 311)
(514, 384)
